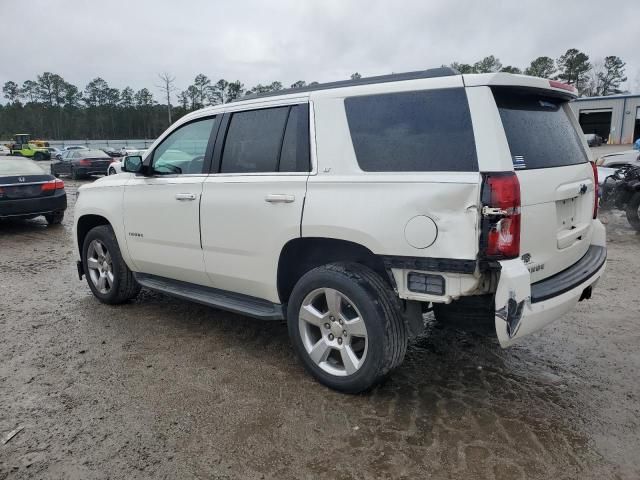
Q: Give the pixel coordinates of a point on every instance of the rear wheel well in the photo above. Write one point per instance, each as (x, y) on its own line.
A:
(85, 224)
(301, 255)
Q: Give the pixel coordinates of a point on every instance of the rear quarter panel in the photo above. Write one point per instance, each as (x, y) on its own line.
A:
(373, 208)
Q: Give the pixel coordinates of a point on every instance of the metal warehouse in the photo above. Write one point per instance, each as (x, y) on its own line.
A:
(615, 118)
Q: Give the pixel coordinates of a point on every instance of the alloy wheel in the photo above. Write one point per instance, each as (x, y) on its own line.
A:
(100, 266)
(333, 332)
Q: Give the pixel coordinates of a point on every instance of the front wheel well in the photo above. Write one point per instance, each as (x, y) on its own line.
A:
(301, 255)
(84, 226)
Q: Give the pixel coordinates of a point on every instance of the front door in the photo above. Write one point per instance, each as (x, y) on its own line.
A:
(162, 211)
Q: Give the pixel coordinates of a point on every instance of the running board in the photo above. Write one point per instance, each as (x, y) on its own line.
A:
(213, 297)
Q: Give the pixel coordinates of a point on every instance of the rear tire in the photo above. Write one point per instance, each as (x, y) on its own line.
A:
(54, 218)
(633, 211)
(38, 157)
(108, 276)
(475, 314)
(53, 172)
(366, 338)
(74, 174)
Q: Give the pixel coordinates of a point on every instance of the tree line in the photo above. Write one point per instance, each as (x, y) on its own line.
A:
(50, 107)
(591, 78)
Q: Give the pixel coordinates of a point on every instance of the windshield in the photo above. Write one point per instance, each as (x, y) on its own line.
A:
(10, 167)
(539, 130)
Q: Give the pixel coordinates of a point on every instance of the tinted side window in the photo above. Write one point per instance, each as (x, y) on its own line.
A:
(253, 141)
(295, 146)
(183, 151)
(539, 131)
(412, 131)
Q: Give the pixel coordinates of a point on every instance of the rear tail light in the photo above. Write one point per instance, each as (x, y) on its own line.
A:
(52, 185)
(500, 237)
(596, 190)
(84, 162)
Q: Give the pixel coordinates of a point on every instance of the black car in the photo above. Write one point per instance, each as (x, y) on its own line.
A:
(81, 163)
(27, 191)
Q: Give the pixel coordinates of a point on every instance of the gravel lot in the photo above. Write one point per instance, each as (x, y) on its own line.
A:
(161, 388)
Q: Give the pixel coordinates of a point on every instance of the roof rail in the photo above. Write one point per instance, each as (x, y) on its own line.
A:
(394, 77)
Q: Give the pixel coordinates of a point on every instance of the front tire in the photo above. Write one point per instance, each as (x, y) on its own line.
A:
(346, 327)
(633, 211)
(74, 174)
(107, 274)
(38, 157)
(112, 171)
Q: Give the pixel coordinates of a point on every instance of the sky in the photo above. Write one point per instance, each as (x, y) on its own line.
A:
(128, 43)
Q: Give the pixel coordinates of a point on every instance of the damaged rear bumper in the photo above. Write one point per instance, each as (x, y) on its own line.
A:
(523, 308)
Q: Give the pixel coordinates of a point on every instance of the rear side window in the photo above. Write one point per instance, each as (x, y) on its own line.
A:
(268, 140)
(538, 129)
(295, 145)
(253, 141)
(422, 131)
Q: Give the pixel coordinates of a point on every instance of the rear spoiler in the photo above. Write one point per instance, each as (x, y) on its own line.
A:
(551, 87)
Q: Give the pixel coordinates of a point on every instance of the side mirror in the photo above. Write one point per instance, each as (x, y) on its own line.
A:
(132, 164)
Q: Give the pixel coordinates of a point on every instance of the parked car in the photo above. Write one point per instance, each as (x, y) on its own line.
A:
(593, 140)
(350, 208)
(27, 191)
(81, 163)
(76, 147)
(4, 150)
(112, 152)
(116, 166)
(56, 153)
(618, 159)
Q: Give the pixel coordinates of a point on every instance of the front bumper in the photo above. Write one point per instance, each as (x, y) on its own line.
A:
(34, 206)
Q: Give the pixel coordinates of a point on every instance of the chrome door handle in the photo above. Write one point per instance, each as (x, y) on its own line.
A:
(185, 196)
(279, 198)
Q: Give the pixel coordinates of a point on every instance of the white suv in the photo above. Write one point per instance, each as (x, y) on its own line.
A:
(350, 208)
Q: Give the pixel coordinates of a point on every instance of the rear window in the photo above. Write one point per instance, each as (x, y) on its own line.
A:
(91, 154)
(538, 130)
(19, 166)
(420, 131)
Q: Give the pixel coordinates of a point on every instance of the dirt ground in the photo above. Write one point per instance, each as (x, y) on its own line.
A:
(161, 388)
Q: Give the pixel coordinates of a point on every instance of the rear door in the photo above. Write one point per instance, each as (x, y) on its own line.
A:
(556, 179)
(252, 202)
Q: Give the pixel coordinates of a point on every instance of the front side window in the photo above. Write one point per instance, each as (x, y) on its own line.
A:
(183, 151)
(419, 131)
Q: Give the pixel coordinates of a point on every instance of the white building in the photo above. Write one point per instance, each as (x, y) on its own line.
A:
(615, 118)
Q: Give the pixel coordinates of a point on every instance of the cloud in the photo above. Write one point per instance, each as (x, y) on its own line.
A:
(129, 42)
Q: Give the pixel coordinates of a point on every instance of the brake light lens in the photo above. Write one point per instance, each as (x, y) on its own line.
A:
(85, 162)
(596, 190)
(52, 185)
(562, 86)
(501, 216)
